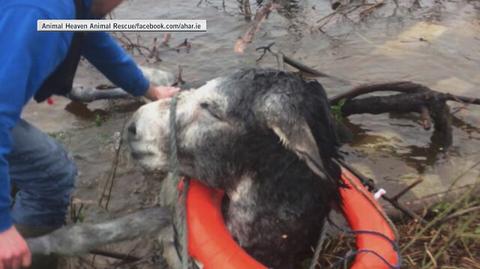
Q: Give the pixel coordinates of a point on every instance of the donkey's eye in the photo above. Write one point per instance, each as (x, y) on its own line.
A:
(211, 110)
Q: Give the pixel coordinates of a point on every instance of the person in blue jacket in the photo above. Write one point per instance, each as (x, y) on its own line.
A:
(41, 64)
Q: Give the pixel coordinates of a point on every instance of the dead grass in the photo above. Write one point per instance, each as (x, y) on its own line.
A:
(450, 239)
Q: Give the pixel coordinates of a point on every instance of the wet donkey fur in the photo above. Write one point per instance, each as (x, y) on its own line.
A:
(267, 138)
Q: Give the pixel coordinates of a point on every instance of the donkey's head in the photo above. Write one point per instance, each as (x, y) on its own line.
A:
(231, 125)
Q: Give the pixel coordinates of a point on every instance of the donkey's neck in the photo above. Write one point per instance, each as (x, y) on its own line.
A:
(276, 173)
(280, 203)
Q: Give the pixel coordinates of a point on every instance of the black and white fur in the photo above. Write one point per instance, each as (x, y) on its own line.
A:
(267, 138)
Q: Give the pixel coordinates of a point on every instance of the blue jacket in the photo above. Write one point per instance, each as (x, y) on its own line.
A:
(28, 57)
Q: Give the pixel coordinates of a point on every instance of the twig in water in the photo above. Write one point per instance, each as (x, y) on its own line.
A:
(132, 46)
(282, 58)
(185, 44)
(155, 52)
(247, 11)
(260, 16)
(178, 79)
(107, 189)
(370, 9)
(166, 39)
(264, 50)
(327, 19)
(401, 193)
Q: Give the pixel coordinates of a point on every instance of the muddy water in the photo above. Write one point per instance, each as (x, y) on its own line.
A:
(436, 44)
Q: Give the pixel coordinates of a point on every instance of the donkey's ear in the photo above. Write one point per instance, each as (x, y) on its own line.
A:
(297, 137)
(282, 114)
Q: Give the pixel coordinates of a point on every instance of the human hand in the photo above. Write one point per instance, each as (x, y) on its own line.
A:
(160, 92)
(14, 252)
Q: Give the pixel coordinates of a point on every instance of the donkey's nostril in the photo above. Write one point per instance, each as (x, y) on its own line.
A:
(132, 129)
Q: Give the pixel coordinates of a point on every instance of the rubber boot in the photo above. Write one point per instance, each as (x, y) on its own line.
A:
(39, 261)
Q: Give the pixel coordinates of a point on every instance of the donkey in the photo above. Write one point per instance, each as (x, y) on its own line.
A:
(267, 138)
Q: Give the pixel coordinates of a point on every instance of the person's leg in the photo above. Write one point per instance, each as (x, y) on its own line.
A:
(44, 175)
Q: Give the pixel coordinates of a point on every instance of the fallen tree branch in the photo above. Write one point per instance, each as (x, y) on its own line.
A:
(82, 238)
(260, 16)
(411, 97)
(401, 103)
(464, 99)
(402, 87)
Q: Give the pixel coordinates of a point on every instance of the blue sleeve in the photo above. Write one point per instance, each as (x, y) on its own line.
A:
(26, 59)
(107, 56)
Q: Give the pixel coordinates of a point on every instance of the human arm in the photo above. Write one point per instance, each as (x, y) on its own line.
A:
(111, 59)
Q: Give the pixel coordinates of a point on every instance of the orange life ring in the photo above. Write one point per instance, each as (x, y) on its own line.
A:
(364, 213)
(211, 244)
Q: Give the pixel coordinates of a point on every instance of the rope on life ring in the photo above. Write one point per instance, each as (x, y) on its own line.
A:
(374, 234)
(211, 244)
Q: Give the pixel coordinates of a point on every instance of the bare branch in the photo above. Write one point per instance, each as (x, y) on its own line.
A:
(260, 16)
(400, 86)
